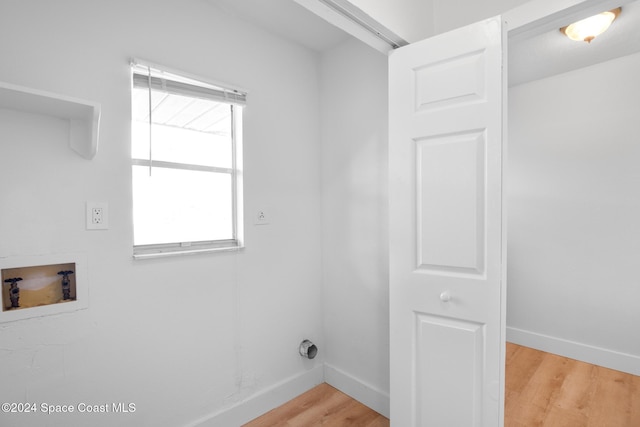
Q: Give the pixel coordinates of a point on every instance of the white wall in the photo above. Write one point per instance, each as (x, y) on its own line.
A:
(184, 337)
(573, 207)
(355, 232)
(451, 14)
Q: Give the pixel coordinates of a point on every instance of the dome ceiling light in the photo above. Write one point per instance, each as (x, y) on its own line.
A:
(588, 28)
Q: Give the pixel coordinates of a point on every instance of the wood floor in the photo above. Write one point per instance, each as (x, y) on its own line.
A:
(542, 389)
(321, 406)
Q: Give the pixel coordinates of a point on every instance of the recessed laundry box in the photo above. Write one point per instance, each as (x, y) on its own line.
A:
(40, 286)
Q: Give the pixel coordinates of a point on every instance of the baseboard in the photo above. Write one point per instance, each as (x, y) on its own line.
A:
(595, 355)
(264, 401)
(359, 390)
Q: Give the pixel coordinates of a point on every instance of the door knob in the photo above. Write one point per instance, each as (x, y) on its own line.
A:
(445, 296)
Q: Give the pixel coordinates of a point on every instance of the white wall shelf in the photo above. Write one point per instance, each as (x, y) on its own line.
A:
(83, 116)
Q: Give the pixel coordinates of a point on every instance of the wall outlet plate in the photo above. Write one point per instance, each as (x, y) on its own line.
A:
(97, 216)
(261, 217)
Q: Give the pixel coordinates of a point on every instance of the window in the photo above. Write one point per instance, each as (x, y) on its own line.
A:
(185, 150)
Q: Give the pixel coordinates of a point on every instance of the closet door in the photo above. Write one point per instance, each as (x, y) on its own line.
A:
(447, 281)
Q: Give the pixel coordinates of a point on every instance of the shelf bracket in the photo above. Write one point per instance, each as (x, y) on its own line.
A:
(83, 116)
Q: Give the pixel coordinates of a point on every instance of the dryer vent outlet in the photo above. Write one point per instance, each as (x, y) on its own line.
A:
(308, 349)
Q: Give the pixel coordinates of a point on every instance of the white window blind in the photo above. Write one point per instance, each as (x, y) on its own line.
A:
(146, 76)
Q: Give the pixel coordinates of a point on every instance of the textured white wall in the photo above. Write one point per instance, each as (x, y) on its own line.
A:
(185, 337)
(574, 204)
(355, 232)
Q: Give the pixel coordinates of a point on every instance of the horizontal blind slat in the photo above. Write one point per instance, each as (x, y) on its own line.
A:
(186, 89)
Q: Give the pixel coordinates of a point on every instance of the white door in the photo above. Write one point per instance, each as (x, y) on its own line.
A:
(446, 237)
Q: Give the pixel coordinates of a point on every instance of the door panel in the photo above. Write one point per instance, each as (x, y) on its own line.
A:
(451, 224)
(446, 277)
(449, 377)
(462, 79)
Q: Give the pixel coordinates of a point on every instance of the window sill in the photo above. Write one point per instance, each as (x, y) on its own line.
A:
(149, 253)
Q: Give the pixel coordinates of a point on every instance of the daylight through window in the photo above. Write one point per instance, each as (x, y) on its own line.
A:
(185, 152)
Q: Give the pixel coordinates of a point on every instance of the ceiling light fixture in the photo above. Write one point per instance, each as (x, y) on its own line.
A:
(587, 29)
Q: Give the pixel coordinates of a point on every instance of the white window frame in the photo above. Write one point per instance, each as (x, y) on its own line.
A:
(190, 85)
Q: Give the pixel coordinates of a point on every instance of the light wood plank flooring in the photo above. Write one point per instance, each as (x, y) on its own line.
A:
(321, 406)
(542, 389)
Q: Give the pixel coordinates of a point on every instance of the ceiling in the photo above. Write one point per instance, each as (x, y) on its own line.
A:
(552, 53)
(530, 58)
(287, 19)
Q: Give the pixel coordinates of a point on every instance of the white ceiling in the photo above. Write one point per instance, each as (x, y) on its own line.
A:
(530, 58)
(287, 19)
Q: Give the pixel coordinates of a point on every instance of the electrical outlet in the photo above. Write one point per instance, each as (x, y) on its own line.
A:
(261, 217)
(97, 216)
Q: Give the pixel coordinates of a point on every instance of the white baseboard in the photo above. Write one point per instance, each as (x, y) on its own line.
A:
(264, 401)
(574, 350)
(359, 390)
